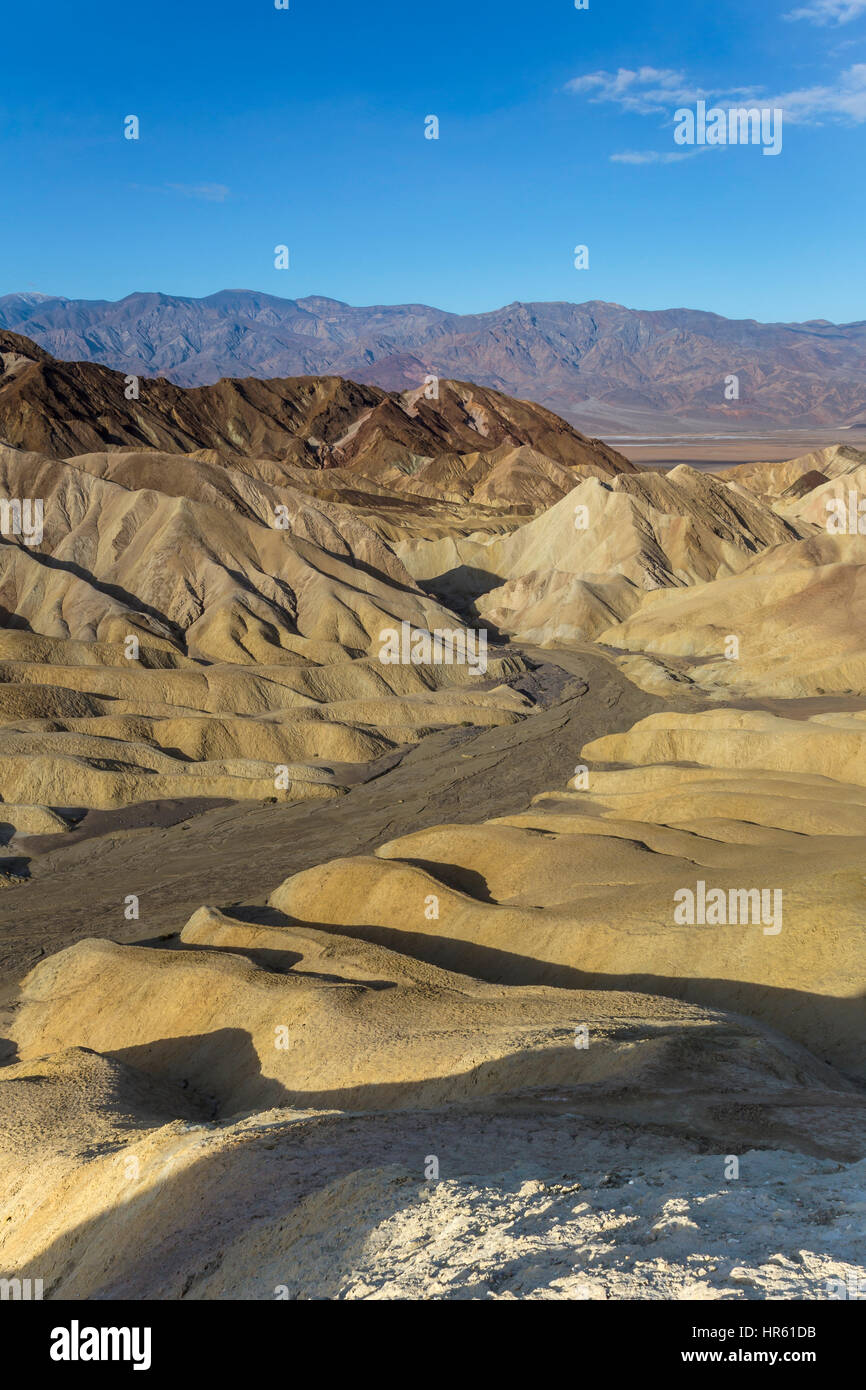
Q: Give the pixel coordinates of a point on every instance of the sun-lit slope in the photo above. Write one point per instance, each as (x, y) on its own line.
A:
(581, 889)
(226, 584)
(253, 1102)
(798, 613)
(592, 556)
(774, 480)
(109, 735)
(673, 567)
(513, 477)
(59, 407)
(287, 1027)
(131, 1193)
(257, 1108)
(257, 642)
(827, 504)
(463, 418)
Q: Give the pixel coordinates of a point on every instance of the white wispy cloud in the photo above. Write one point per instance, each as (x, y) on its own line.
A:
(829, 11)
(647, 91)
(658, 91)
(207, 192)
(844, 101)
(655, 156)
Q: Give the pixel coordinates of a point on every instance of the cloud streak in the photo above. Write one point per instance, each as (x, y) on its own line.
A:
(646, 91)
(659, 91)
(844, 102)
(829, 11)
(205, 192)
(654, 156)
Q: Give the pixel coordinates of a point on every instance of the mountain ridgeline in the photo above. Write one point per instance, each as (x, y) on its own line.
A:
(600, 364)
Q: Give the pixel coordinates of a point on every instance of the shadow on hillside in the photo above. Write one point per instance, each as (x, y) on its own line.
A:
(463, 880)
(175, 1226)
(826, 1025)
(115, 591)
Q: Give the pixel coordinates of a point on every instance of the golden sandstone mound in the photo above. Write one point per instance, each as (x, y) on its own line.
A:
(225, 584)
(828, 503)
(591, 558)
(271, 1111)
(805, 599)
(588, 888)
(302, 1018)
(254, 1112)
(721, 586)
(244, 733)
(775, 480)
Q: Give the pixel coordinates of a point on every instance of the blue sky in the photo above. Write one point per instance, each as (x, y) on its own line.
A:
(305, 127)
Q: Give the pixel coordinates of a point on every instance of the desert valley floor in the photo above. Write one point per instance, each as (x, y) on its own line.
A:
(324, 977)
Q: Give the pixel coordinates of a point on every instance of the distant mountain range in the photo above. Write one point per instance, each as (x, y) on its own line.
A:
(600, 365)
